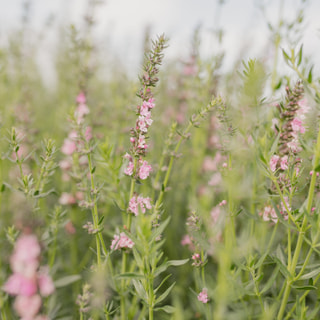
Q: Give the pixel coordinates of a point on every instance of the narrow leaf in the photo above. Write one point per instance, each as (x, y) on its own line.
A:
(165, 294)
(65, 281)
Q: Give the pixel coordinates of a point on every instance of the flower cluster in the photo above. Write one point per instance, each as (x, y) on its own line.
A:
(139, 204)
(76, 143)
(139, 134)
(203, 296)
(292, 114)
(197, 261)
(121, 242)
(28, 282)
(269, 213)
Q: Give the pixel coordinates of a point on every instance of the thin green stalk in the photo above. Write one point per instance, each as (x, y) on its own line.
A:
(95, 215)
(183, 136)
(302, 231)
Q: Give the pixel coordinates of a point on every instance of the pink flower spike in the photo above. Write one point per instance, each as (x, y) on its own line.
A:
(203, 296)
(81, 98)
(223, 203)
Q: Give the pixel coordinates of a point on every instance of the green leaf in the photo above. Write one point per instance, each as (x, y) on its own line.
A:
(93, 170)
(65, 281)
(167, 309)
(3, 187)
(165, 294)
(283, 268)
(129, 275)
(101, 220)
(271, 280)
(158, 231)
(169, 263)
(310, 75)
(306, 287)
(300, 56)
(285, 55)
(140, 290)
(310, 274)
(162, 282)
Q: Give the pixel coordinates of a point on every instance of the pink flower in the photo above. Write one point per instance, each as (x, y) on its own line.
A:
(27, 307)
(25, 259)
(273, 162)
(142, 142)
(304, 108)
(121, 241)
(203, 296)
(45, 282)
(137, 204)
(149, 104)
(144, 110)
(129, 169)
(68, 147)
(223, 203)
(294, 146)
(215, 214)
(88, 133)
(18, 284)
(66, 199)
(284, 163)
(186, 240)
(144, 169)
(81, 111)
(297, 125)
(196, 256)
(65, 164)
(81, 98)
(142, 124)
(215, 179)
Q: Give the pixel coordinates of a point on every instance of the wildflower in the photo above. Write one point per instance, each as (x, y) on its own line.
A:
(139, 203)
(81, 98)
(297, 125)
(144, 169)
(27, 279)
(121, 241)
(67, 199)
(284, 162)
(203, 296)
(273, 162)
(215, 214)
(68, 147)
(223, 203)
(129, 169)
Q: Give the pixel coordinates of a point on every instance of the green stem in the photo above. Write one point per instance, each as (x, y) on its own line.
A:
(302, 231)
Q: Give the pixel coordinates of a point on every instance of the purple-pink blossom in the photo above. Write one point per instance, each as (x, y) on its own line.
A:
(273, 162)
(144, 169)
(121, 241)
(297, 125)
(139, 204)
(284, 163)
(203, 296)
